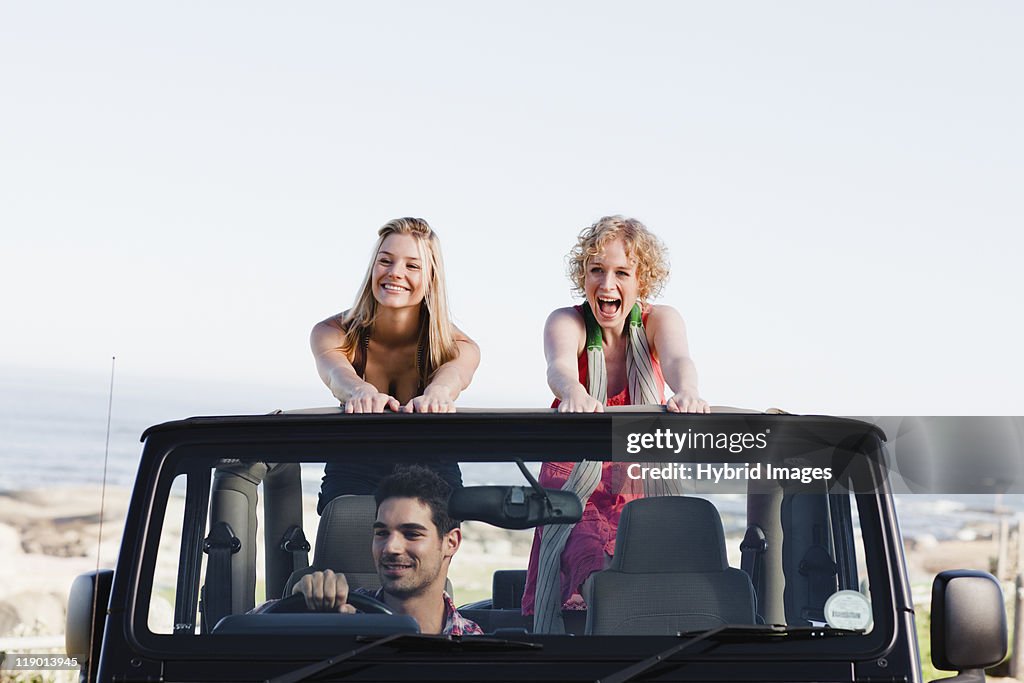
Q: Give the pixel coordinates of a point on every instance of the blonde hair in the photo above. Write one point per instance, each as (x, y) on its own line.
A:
(437, 333)
(641, 245)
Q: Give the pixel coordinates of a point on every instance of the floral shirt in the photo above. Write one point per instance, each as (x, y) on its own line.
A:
(454, 623)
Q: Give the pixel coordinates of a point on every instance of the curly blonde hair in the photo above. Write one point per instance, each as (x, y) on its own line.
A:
(641, 245)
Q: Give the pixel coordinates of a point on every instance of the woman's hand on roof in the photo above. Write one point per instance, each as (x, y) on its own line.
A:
(366, 399)
(433, 400)
(686, 402)
(577, 400)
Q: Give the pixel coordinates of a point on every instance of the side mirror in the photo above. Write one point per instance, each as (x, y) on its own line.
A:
(968, 623)
(87, 610)
(515, 507)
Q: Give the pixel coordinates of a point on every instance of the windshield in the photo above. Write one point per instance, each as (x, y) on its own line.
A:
(653, 553)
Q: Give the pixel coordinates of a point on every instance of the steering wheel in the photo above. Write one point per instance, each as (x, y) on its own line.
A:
(296, 603)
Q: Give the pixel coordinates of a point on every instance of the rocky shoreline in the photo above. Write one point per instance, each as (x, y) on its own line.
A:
(48, 537)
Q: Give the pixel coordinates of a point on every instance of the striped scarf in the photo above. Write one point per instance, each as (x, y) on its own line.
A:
(586, 474)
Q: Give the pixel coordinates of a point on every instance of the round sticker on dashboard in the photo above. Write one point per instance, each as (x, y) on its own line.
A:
(849, 610)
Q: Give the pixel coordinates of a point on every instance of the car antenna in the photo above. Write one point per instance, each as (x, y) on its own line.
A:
(103, 499)
(541, 491)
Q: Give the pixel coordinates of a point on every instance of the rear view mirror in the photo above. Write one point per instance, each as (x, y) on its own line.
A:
(515, 507)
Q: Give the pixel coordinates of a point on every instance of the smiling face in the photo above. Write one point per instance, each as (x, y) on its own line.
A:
(399, 272)
(611, 285)
(411, 556)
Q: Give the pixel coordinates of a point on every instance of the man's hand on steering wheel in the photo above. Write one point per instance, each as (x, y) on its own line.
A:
(324, 592)
(312, 591)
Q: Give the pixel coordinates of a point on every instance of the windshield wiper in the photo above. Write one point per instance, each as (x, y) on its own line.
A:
(635, 670)
(409, 641)
(726, 632)
(420, 641)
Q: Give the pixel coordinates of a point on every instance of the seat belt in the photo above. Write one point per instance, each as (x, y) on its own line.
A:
(220, 545)
(752, 549)
(295, 543)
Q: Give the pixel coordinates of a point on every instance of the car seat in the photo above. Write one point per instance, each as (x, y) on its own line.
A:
(669, 573)
(343, 542)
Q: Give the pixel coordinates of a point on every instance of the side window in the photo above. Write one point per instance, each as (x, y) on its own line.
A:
(859, 551)
(858, 546)
(165, 578)
(850, 605)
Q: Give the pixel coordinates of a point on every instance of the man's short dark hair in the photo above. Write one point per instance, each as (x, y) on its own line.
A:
(424, 484)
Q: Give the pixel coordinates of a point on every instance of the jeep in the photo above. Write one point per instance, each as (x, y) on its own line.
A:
(764, 547)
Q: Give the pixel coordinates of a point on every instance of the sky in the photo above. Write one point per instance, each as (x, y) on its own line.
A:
(190, 186)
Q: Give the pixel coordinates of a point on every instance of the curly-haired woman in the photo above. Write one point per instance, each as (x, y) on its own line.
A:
(615, 348)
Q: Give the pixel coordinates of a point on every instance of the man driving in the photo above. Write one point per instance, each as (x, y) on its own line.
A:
(414, 541)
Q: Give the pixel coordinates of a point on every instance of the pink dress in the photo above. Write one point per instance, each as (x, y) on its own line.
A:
(593, 538)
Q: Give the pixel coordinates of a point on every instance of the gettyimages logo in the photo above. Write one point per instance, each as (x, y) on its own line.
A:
(665, 440)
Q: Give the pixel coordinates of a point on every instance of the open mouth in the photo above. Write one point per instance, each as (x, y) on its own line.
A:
(609, 307)
(391, 287)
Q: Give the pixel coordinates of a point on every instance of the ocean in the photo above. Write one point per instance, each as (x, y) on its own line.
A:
(53, 425)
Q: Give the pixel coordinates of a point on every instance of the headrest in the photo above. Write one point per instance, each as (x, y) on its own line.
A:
(669, 534)
(344, 538)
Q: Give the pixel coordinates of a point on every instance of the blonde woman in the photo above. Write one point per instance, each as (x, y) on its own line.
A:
(396, 348)
(615, 348)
